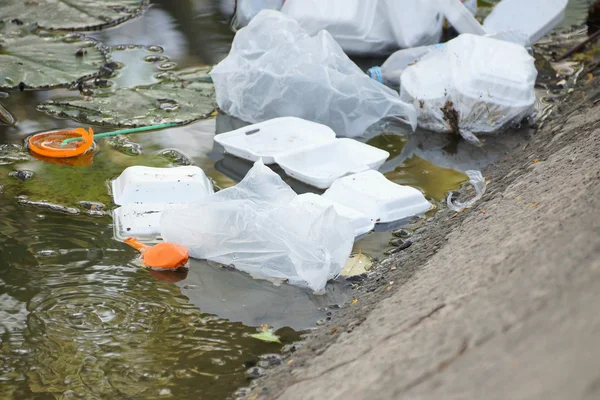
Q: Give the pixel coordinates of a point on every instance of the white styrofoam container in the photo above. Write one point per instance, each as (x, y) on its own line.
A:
(321, 166)
(414, 22)
(534, 18)
(460, 17)
(360, 222)
(141, 221)
(160, 185)
(374, 195)
(274, 137)
(355, 24)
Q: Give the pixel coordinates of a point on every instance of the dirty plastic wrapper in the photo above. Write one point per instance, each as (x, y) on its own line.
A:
(276, 69)
(478, 182)
(472, 84)
(255, 227)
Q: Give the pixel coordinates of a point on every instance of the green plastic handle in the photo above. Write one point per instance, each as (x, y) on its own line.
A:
(122, 132)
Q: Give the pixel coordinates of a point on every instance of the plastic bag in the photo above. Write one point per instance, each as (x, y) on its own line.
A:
(245, 10)
(478, 182)
(257, 228)
(275, 69)
(472, 84)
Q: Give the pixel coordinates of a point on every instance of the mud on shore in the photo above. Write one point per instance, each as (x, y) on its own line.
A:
(499, 301)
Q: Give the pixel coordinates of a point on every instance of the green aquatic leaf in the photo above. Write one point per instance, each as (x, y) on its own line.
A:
(82, 15)
(176, 100)
(357, 264)
(266, 335)
(30, 60)
(6, 118)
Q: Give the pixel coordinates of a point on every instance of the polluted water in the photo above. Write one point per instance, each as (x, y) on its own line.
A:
(80, 318)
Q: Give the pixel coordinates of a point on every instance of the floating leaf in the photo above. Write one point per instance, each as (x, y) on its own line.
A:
(6, 118)
(357, 264)
(173, 101)
(72, 14)
(31, 61)
(266, 335)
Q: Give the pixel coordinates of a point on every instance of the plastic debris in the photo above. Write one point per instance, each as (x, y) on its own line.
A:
(274, 137)
(160, 185)
(266, 335)
(374, 195)
(276, 69)
(163, 256)
(478, 182)
(145, 192)
(50, 144)
(366, 27)
(321, 166)
(361, 223)
(461, 18)
(255, 227)
(390, 71)
(473, 84)
(245, 10)
(534, 18)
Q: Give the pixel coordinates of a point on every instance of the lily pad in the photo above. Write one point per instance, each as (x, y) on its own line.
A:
(81, 15)
(32, 61)
(6, 118)
(176, 100)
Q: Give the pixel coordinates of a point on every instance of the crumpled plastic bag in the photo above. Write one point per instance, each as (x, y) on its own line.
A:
(478, 182)
(472, 84)
(245, 10)
(255, 227)
(276, 69)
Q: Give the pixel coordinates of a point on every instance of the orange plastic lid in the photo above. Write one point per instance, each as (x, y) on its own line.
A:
(50, 144)
(163, 256)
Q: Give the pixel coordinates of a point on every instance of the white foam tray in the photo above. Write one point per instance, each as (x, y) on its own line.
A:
(321, 166)
(360, 222)
(141, 221)
(375, 196)
(274, 137)
(160, 185)
(534, 18)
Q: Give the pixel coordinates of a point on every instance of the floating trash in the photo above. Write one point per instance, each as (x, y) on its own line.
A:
(163, 256)
(50, 144)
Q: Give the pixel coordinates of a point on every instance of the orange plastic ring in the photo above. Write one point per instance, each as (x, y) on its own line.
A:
(49, 144)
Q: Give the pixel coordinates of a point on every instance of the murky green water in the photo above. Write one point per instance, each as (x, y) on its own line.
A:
(78, 319)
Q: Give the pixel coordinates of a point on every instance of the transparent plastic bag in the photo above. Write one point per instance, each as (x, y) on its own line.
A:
(257, 228)
(275, 69)
(472, 84)
(478, 182)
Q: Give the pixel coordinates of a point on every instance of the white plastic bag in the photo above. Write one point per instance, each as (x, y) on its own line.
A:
(245, 10)
(359, 26)
(257, 228)
(473, 84)
(478, 182)
(275, 69)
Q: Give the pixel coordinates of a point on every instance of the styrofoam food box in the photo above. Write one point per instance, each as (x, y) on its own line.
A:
(460, 17)
(355, 24)
(321, 166)
(274, 137)
(360, 222)
(535, 18)
(160, 185)
(374, 195)
(141, 221)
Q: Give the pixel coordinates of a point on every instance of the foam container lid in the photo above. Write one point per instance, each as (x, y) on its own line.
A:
(274, 137)
(321, 166)
(374, 195)
(360, 222)
(160, 185)
(141, 221)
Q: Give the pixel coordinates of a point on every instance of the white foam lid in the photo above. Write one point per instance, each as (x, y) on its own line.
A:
(374, 195)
